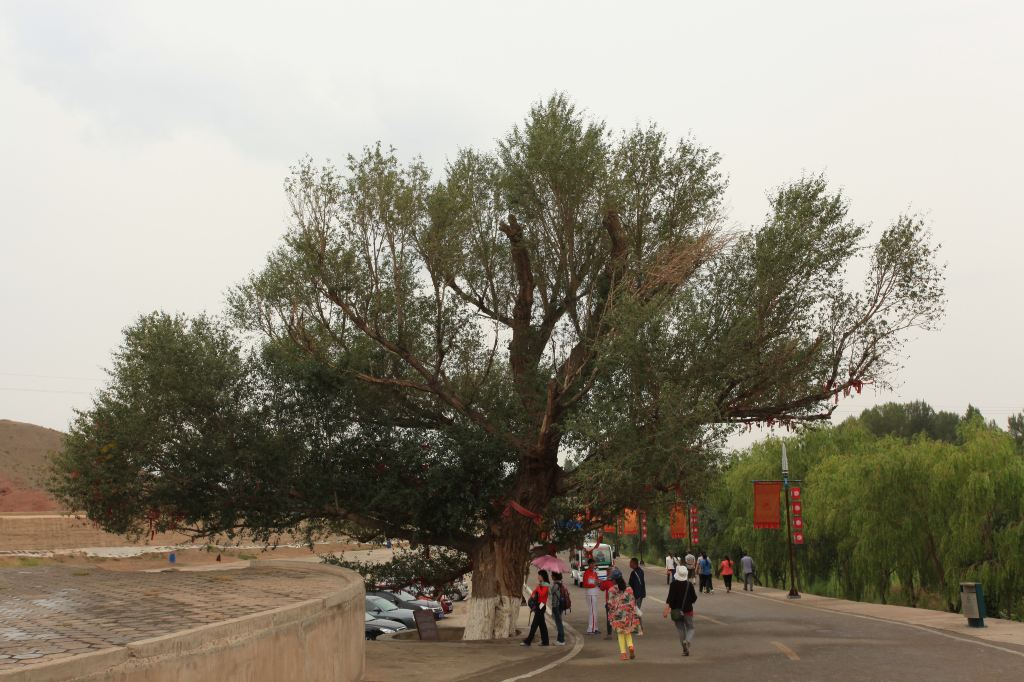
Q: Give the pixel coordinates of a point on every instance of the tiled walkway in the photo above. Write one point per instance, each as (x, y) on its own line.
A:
(54, 612)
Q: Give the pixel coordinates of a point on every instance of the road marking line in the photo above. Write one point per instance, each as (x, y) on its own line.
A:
(790, 654)
(713, 620)
(576, 648)
(923, 628)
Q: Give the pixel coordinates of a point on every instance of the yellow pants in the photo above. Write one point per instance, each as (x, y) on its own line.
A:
(625, 642)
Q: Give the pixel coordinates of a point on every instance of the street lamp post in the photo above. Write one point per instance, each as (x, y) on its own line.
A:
(793, 594)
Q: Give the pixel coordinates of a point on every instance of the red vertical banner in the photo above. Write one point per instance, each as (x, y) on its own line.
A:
(796, 506)
(677, 522)
(767, 510)
(643, 525)
(632, 522)
(694, 528)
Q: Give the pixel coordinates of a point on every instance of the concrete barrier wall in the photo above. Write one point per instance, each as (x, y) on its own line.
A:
(312, 641)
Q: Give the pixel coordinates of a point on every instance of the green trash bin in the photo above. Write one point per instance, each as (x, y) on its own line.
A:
(972, 604)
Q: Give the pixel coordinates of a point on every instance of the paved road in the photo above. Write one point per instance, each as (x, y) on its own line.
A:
(742, 636)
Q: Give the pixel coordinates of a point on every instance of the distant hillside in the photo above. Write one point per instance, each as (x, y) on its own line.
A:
(25, 451)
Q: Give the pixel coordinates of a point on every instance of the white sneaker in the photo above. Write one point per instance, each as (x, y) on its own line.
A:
(559, 643)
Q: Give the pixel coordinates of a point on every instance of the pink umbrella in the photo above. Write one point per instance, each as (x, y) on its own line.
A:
(550, 563)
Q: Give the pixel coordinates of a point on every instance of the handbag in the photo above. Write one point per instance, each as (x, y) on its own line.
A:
(677, 614)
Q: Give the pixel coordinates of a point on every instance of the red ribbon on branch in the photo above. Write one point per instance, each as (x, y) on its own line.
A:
(521, 510)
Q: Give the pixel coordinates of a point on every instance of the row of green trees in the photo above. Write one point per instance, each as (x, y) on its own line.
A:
(892, 515)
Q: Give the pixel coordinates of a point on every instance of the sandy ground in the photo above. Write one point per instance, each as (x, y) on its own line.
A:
(131, 560)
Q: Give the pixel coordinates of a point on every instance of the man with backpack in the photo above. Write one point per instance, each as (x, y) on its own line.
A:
(560, 602)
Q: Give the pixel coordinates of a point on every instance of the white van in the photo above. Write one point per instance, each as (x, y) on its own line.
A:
(603, 554)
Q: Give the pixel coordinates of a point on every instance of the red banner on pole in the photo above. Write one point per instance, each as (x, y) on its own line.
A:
(766, 504)
(632, 523)
(798, 537)
(677, 522)
(798, 507)
(794, 493)
(643, 525)
(798, 522)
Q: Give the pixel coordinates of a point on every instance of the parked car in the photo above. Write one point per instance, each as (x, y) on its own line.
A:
(382, 608)
(404, 600)
(457, 590)
(373, 627)
(417, 596)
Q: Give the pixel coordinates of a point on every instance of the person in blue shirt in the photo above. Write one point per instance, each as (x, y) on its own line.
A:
(704, 567)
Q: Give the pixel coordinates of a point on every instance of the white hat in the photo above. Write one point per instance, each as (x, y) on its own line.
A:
(681, 573)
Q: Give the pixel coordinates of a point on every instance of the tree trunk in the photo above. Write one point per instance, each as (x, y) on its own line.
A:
(499, 567)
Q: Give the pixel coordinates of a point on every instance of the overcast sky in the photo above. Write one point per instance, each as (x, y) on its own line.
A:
(143, 145)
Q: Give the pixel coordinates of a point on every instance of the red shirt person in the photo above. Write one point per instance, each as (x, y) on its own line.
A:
(591, 586)
(539, 603)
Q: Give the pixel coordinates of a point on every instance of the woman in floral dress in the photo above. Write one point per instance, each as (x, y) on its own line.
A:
(622, 614)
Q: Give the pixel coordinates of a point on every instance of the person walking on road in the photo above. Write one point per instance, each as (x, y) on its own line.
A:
(691, 566)
(559, 605)
(679, 604)
(637, 582)
(622, 616)
(704, 566)
(747, 564)
(592, 590)
(726, 571)
(538, 604)
(670, 568)
(606, 587)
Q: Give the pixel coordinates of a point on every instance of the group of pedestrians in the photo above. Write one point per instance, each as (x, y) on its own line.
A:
(623, 599)
(700, 570)
(549, 595)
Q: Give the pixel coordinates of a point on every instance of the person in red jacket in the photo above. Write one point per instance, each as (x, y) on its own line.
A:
(539, 604)
(589, 582)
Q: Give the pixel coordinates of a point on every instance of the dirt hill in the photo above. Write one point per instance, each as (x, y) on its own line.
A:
(25, 451)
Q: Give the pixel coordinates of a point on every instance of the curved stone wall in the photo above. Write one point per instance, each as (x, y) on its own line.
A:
(309, 641)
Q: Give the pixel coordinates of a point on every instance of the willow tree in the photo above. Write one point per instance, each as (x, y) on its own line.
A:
(559, 324)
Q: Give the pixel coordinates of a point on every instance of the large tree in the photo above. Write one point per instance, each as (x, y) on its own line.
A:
(564, 323)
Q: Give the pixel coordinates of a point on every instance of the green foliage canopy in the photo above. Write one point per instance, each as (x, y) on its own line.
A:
(562, 323)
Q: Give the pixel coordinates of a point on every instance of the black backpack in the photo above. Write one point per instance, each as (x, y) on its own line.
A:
(564, 600)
